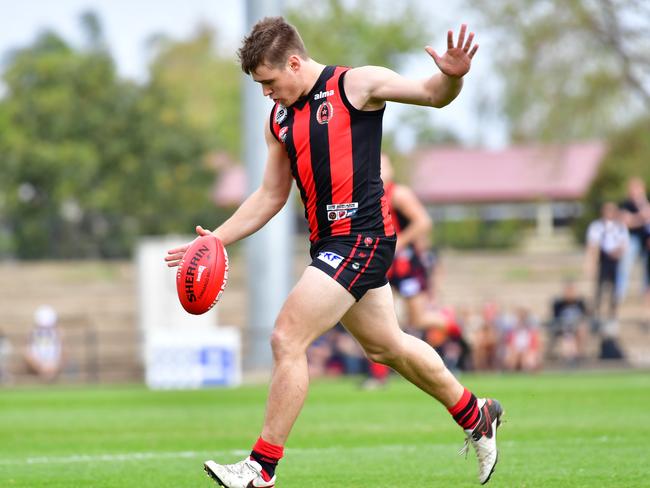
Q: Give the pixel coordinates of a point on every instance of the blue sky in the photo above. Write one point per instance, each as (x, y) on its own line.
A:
(129, 23)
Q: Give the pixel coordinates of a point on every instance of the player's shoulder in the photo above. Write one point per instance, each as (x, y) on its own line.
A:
(368, 74)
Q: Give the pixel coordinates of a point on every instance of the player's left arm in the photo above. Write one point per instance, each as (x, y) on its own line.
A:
(369, 87)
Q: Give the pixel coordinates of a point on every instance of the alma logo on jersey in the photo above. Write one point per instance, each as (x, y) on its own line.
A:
(283, 133)
(330, 258)
(340, 211)
(281, 113)
(323, 94)
(324, 113)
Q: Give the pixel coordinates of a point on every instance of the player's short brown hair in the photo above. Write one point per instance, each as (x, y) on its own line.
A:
(271, 41)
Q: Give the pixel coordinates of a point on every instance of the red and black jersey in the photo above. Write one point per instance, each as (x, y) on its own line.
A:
(400, 221)
(334, 151)
(407, 263)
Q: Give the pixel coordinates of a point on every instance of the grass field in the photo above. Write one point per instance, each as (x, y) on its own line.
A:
(571, 430)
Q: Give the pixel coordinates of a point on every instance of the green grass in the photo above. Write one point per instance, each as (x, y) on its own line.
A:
(576, 430)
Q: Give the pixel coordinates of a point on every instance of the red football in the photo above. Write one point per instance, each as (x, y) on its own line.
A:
(202, 274)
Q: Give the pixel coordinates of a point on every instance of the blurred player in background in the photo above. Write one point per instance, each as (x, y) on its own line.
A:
(408, 274)
(646, 239)
(636, 216)
(44, 351)
(325, 132)
(607, 241)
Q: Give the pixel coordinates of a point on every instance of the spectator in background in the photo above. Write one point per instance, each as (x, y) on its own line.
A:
(5, 354)
(568, 325)
(44, 351)
(485, 345)
(636, 216)
(448, 340)
(607, 241)
(522, 347)
(646, 239)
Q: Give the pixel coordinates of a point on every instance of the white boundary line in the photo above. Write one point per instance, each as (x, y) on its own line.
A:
(143, 456)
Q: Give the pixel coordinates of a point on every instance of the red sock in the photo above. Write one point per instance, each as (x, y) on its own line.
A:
(267, 455)
(466, 412)
(379, 371)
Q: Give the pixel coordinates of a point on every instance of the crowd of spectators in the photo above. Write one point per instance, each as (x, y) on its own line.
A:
(489, 338)
(496, 338)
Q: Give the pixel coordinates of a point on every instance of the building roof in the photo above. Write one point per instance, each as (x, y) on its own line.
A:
(514, 174)
(459, 175)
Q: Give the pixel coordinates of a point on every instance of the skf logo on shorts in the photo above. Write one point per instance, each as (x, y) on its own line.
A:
(281, 114)
(340, 211)
(330, 258)
(324, 112)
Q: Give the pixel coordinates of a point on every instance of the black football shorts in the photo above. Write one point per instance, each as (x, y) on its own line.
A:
(358, 263)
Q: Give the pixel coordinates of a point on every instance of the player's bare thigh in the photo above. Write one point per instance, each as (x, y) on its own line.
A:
(373, 322)
(314, 306)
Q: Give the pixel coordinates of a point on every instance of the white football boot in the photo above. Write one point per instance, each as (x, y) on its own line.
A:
(483, 437)
(244, 474)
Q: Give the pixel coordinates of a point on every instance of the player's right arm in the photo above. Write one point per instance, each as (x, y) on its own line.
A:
(258, 208)
(266, 201)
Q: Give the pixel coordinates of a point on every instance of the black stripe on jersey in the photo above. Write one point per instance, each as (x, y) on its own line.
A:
(366, 150)
(319, 139)
(293, 157)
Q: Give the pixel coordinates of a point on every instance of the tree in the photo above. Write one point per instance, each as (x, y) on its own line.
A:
(205, 83)
(361, 32)
(571, 69)
(90, 162)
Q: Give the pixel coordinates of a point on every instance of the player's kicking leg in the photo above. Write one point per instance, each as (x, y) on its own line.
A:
(483, 437)
(315, 305)
(373, 322)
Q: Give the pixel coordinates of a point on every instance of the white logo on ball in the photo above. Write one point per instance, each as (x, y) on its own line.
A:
(201, 270)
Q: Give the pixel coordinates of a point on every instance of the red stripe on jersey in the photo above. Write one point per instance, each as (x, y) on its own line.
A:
(305, 172)
(390, 226)
(275, 128)
(366, 265)
(339, 133)
(347, 261)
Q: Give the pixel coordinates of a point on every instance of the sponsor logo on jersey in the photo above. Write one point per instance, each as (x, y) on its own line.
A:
(355, 266)
(330, 258)
(340, 211)
(367, 241)
(324, 113)
(283, 133)
(323, 94)
(281, 114)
